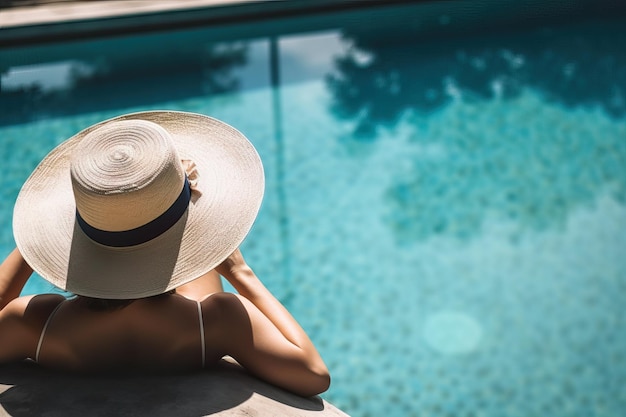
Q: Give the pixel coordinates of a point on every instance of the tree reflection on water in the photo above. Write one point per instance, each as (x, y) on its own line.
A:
(526, 142)
(111, 74)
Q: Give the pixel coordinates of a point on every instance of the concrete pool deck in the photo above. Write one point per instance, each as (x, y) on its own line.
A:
(41, 21)
(49, 11)
(36, 21)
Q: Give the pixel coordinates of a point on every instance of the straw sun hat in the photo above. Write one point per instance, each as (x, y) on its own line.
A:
(138, 205)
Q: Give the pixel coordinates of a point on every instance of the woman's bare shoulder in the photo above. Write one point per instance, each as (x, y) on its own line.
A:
(223, 308)
(21, 320)
(224, 314)
(32, 306)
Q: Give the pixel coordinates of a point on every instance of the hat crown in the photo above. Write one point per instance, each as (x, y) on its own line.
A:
(125, 174)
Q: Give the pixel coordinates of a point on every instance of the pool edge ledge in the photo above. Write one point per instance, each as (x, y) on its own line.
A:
(27, 389)
(72, 20)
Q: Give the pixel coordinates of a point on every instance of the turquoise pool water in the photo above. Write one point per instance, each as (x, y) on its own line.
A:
(445, 218)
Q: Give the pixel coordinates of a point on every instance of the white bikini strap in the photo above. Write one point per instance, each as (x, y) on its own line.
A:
(201, 331)
(43, 331)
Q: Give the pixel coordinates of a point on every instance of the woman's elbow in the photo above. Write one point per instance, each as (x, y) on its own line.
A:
(318, 382)
(323, 382)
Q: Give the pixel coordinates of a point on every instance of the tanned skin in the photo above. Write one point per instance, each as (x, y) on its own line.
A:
(162, 333)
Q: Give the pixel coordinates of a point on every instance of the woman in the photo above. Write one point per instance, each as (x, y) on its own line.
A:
(138, 216)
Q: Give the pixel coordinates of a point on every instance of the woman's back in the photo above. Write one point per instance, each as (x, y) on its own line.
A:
(158, 333)
(163, 333)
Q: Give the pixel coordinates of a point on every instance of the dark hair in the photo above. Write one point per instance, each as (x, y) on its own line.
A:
(105, 304)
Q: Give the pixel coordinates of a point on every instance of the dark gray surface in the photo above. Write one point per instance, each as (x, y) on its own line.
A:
(29, 390)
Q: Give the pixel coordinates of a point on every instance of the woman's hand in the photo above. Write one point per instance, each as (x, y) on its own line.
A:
(233, 267)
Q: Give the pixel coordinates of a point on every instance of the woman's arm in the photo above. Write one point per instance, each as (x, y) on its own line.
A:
(16, 336)
(268, 340)
(14, 272)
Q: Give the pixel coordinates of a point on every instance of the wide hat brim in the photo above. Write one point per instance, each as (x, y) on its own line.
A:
(231, 184)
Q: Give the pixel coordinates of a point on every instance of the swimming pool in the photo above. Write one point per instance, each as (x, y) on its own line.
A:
(444, 214)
